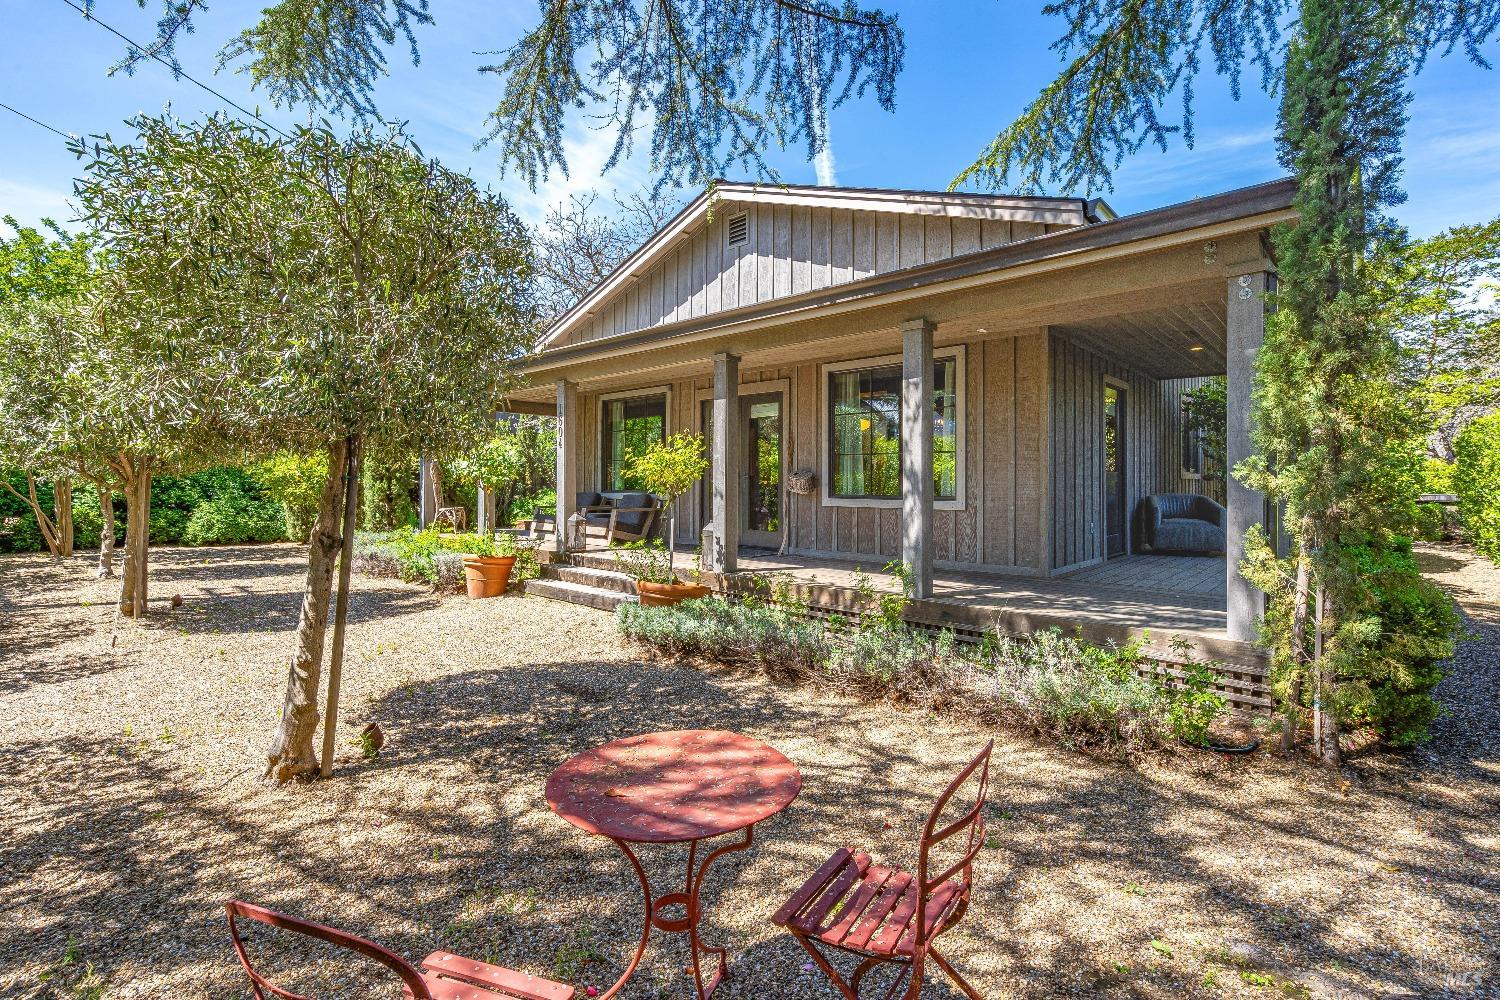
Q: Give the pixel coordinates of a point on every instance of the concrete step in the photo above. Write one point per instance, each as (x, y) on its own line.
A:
(602, 579)
(577, 593)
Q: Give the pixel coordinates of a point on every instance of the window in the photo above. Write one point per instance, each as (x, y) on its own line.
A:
(865, 431)
(631, 425)
(1192, 449)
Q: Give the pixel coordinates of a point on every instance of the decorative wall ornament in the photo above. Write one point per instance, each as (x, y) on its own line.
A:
(802, 482)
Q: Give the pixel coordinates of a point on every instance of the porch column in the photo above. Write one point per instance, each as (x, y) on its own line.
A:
(426, 492)
(726, 464)
(1247, 507)
(916, 453)
(567, 460)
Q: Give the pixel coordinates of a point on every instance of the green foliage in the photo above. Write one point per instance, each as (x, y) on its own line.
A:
(232, 519)
(645, 560)
(330, 286)
(1440, 297)
(434, 557)
(1123, 62)
(672, 467)
(296, 482)
(35, 265)
(1476, 480)
(1205, 411)
(1057, 687)
(517, 462)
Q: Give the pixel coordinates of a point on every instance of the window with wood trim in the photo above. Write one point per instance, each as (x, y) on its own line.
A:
(630, 426)
(865, 447)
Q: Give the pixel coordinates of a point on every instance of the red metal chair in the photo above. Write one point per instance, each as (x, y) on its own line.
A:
(871, 911)
(443, 976)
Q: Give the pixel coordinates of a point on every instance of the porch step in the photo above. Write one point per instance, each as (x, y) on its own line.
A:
(578, 593)
(588, 576)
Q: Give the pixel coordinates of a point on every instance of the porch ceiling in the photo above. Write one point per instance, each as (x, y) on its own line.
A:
(1170, 341)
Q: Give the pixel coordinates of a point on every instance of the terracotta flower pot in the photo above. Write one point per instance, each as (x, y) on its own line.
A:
(487, 576)
(661, 595)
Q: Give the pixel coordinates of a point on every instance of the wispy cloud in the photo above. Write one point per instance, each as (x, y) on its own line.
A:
(586, 150)
(30, 204)
(823, 163)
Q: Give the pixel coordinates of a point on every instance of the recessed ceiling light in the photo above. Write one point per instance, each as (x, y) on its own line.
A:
(1196, 347)
(980, 329)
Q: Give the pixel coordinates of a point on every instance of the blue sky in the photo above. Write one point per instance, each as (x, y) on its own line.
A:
(971, 65)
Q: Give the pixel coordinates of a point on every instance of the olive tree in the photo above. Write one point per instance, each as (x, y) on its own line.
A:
(349, 295)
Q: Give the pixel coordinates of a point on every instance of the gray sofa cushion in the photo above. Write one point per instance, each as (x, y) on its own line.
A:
(1182, 522)
(634, 522)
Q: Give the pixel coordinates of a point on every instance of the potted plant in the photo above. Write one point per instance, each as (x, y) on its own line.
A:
(487, 563)
(655, 582)
(669, 469)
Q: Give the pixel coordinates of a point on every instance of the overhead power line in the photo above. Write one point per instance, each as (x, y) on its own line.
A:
(175, 67)
(35, 121)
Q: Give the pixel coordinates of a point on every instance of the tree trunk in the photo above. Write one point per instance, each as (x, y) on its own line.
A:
(291, 754)
(43, 522)
(341, 604)
(1293, 704)
(135, 473)
(106, 567)
(62, 507)
(1325, 718)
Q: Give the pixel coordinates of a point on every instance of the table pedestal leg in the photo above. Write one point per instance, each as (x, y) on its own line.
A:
(693, 907)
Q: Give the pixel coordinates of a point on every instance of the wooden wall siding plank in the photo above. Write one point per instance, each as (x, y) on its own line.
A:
(698, 302)
(942, 534)
(863, 236)
(802, 226)
(887, 243)
(994, 233)
(713, 268)
(765, 252)
(781, 249)
(1032, 394)
(822, 225)
(840, 246)
(938, 238)
(913, 236)
(965, 236)
(966, 546)
(587, 467)
(729, 278)
(888, 521)
(869, 530)
(845, 535)
(997, 530)
(803, 523)
(1060, 396)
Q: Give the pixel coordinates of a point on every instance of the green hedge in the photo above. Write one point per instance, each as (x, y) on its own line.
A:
(1476, 480)
(220, 506)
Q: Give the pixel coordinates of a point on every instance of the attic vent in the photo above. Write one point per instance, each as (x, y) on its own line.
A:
(738, 233)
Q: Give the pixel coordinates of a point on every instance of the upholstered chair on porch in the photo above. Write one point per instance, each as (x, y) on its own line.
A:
(1182, 522)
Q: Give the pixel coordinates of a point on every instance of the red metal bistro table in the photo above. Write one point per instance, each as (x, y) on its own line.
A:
(672, 788)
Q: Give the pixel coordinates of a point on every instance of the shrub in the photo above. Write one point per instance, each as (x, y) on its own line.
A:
(296, 483)
(233, 519)
(1054, 686)
(175, 498)
(1389, 659)
(1476, 480)
(433, 557)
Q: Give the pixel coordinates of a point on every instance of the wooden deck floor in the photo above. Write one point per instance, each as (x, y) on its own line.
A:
(1138, 594)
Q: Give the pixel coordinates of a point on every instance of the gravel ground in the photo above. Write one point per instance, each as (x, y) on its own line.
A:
(128, 759)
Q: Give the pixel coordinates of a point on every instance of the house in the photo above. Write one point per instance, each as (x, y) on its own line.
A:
(985, 387)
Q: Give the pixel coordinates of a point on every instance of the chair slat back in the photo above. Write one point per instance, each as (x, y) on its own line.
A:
(976, 775)
(235, 908)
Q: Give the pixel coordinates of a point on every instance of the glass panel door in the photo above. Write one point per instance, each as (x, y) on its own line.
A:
(761, 507)
(1114, 471)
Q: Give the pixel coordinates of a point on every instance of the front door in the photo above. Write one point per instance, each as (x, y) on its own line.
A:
(761, 498)
(763, 455)
(1114, 471)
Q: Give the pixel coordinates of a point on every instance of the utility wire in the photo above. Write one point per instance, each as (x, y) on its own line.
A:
(33, 121)
(176, 69)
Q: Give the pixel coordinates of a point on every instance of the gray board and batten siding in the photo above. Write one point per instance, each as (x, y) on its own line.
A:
(791, 248)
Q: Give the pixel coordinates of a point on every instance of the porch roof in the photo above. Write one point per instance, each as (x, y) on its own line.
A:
(1164, 250)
